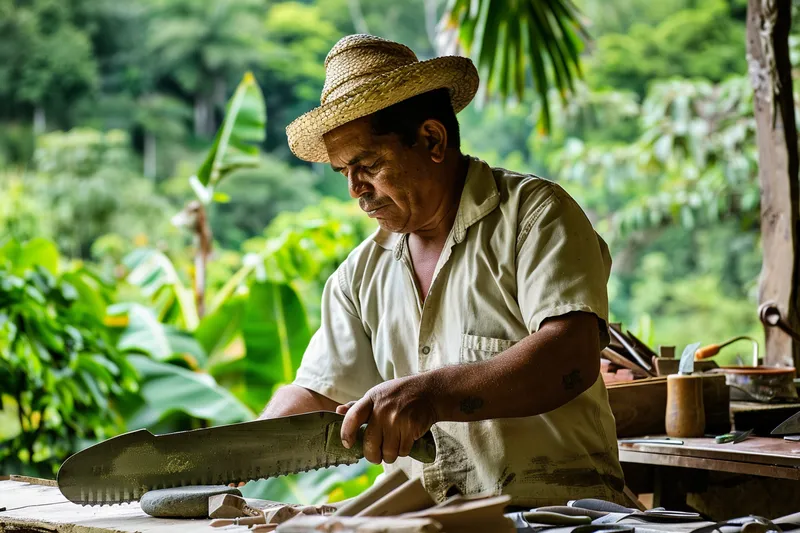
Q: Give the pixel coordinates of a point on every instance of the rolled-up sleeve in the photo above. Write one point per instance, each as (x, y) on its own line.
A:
(338, 362)
(562, 264)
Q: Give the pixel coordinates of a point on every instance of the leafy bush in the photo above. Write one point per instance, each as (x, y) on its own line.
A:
(60, 373)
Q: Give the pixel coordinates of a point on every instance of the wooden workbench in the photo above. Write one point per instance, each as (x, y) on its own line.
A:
(757, 456)
(759, 475)
(33, 507)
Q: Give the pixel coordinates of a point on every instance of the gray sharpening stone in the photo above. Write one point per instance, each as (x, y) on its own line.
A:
(182, 502)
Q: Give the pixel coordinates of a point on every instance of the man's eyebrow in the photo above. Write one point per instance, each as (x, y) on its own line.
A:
(355, 160)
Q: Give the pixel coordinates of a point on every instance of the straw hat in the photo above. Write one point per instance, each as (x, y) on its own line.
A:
(364, 74)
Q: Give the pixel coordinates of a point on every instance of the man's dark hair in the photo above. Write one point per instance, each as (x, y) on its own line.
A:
(404, 118)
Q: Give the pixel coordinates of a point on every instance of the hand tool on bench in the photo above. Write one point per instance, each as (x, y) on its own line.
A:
(733, 437)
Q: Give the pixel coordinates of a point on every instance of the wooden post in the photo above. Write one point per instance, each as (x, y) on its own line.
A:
(768, 24)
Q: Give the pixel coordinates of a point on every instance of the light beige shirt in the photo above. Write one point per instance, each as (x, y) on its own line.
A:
(521, 250)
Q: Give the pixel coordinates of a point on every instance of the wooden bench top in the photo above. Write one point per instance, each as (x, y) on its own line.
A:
(761, 456)
(42, 507)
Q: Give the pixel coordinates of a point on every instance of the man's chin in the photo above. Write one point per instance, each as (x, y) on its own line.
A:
(390, 225)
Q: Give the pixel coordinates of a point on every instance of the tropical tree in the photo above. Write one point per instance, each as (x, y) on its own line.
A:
(58, 66)
(201, 46)
(693, 162)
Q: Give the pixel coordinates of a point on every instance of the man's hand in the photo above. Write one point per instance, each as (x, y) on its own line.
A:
(397, 413)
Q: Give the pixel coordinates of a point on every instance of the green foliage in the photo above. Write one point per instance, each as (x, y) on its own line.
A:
(273, 325)
(256, 196)
(86, 187)
(697, 306)
(693, 164)
(21, 211)
(58, 65)
(167, 388)
(197, 42)
(316, 487)
(60, 373)
(154, 273)
(703, 42)
(506, 38)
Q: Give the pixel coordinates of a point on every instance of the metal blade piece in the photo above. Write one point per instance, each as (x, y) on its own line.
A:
(123, 468)
(686, 364)
(790, 426)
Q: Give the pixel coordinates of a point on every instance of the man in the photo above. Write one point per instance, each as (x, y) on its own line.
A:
(477, 310)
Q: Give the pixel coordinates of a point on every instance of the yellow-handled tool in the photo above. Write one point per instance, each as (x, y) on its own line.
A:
(711, 350)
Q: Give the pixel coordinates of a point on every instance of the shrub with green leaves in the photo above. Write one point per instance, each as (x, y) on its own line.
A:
(60, 372)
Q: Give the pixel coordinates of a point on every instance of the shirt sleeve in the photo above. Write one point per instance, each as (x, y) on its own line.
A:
(562, 264)
(338, 362)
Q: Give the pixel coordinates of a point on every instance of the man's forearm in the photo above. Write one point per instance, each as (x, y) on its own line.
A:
(295, 400)
(540, 373)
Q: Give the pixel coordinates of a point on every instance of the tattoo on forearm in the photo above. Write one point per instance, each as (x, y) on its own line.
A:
(572, 380)
(470, 404)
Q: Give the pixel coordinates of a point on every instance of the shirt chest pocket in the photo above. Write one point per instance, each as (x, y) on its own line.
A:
(475, 348)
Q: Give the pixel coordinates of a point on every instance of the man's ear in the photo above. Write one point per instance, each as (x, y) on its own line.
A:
(433, 136)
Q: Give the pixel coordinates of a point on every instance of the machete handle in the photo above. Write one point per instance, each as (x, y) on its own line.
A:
(423, 449)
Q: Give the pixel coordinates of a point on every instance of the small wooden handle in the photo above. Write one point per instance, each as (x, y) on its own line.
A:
(707, 351)
(424, 449)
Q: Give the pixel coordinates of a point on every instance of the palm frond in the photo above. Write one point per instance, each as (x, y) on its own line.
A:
(517, 43)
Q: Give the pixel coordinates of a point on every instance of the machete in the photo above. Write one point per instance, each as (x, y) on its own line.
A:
(121, 469)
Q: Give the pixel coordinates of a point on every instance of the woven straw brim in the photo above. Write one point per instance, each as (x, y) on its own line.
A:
(458, 74)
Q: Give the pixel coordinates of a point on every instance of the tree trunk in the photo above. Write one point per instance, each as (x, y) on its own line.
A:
(203, 115)
(202, 239)
(357, 16)
(768, 24)
(39, 120)
(431, 21)
(150, 155)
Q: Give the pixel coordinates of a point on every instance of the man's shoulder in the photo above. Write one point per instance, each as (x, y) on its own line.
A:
(522, 194)
(374, 252)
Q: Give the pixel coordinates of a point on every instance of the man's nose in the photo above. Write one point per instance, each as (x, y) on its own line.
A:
(356, 185)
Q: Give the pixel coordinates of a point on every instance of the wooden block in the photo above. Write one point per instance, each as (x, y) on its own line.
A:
(665, 367)
(229, 506)
(373, 494)
(279, 515)
(625, 375)
(351, 524)
(640, 406)
(469, 514)
(624, 362)
(667, 352)
(409, 497)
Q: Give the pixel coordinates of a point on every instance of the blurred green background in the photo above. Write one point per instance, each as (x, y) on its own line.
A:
(108, 116)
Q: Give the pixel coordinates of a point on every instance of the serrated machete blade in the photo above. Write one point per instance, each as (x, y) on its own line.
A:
(123, 468)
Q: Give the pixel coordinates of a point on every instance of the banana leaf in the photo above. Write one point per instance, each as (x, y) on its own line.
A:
(235, 145)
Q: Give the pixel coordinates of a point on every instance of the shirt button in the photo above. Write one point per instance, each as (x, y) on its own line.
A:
(426, 350)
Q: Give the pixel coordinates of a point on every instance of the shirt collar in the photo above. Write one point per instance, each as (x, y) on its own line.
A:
(478, 198)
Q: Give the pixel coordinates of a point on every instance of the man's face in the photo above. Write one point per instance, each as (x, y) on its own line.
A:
(395, 184)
